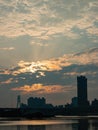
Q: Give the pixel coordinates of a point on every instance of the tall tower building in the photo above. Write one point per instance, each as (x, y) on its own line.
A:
(82, 91)
(18, 101)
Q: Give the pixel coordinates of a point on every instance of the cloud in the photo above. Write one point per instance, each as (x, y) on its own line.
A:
(7, 81)
(41, 89)
(84, 58)
(55, 64)
(54, 17)
(45, 65)
(7, 49)
(39, 44)
(93, 31)
(87, 57)
(54, 71)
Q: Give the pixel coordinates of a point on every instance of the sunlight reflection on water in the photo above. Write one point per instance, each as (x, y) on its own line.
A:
(36, 122)
(57, 123)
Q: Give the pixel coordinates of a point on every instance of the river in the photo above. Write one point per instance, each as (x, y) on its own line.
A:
(55, 123)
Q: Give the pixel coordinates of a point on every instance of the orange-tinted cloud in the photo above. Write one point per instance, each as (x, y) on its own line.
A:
(7, 81)
(56, 64)
(41, 89)
(5, 71)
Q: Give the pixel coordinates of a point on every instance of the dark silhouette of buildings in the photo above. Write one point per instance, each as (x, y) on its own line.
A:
(74, 102)
(95, 103)
(37, 107)
(36, 102)
(82, 91)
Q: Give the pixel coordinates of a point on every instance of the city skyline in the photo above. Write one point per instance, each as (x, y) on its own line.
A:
(80, 100)
(44, 46)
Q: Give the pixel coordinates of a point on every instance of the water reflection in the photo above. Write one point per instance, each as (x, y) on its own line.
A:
(42, 127)
(61, 124)
(31, 127)
(81, 125)
(18, 128)
(95, 124)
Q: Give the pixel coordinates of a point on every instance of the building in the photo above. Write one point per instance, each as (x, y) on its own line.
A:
(82, 91)
(95, 103)
(74, 102)
(18, 101)
(36, 102)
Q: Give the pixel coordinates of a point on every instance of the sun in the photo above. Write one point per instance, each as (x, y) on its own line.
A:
(35, 66)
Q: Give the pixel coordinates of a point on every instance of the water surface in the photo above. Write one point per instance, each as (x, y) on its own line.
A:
(56, 123)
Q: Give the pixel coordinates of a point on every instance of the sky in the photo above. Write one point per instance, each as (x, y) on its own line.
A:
(44, 46)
